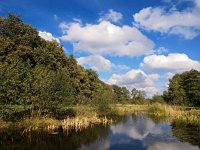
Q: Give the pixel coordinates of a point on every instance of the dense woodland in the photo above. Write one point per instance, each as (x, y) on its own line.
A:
(37, 75)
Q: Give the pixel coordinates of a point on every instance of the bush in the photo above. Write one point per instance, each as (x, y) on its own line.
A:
(102, 101)
(157, 109)
(14, 112)
(158, 99)
(63, 113)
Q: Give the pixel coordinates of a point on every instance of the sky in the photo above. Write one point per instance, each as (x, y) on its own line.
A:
(137, 44)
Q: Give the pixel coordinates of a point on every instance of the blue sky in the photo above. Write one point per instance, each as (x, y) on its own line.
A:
(130, 43)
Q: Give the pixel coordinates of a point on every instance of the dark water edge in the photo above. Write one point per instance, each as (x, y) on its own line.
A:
(129, 132)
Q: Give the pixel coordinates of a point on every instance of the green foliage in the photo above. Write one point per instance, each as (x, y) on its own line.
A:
(156, 109)
(14, 112)
(184, 89)
(138, 97)
(121, 93)
(36, 74)
(140, 101)
(186, 132)
(158, 99)
(102, 101)
(191, 85)
(63, 112)
(137, 94)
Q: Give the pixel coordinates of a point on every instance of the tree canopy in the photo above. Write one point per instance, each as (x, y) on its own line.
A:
(184, 88)
(37, 73)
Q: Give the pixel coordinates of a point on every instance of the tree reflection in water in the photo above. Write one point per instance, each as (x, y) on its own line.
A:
(187, 133)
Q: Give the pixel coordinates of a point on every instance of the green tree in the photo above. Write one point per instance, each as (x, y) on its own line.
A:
(176, 91)
(184, 88)
(137, 94)
(191, 86)
(158, 98)
(121, 93)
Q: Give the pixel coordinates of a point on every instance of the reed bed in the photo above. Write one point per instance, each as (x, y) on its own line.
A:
(190, 117)
(85, 117)
(54, 126)
(81, 122)
(175, 113)
(162, 110)
(169, 112)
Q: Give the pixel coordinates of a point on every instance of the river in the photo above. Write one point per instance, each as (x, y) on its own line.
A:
(132, 132)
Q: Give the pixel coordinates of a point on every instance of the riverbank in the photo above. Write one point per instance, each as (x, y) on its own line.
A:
(87, 116)
(189, 115)
(83, 117)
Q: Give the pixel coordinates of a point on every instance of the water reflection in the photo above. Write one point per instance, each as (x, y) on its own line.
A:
(62, 141)
(186, 133)
(130, 132)
(140, 133)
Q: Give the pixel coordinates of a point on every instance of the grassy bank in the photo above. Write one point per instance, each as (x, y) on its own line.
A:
(123, 109)
(86, 116)
(189, 115)
(83, 117)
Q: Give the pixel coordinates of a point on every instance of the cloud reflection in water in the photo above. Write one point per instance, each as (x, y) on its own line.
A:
(139, 133)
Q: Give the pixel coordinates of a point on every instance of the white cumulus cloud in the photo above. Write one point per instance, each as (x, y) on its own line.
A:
(48, 36)
(137, 79)
(106, 38)
(185, 23)
(96, 62)
(100, 63)
(112, 16)
(132, 77)
(174, 61)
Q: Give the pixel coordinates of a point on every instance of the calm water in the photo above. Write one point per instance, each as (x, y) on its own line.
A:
(131, 132)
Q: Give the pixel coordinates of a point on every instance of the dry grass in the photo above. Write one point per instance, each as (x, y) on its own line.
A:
(172, 113)
(122, 109)
(84, 118)
(81, 122)
(162, 110)
(3, 124)
(175, 113)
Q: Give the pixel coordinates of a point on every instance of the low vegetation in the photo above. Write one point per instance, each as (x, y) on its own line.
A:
(84, 117)
(172, 113)
(186, 115)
